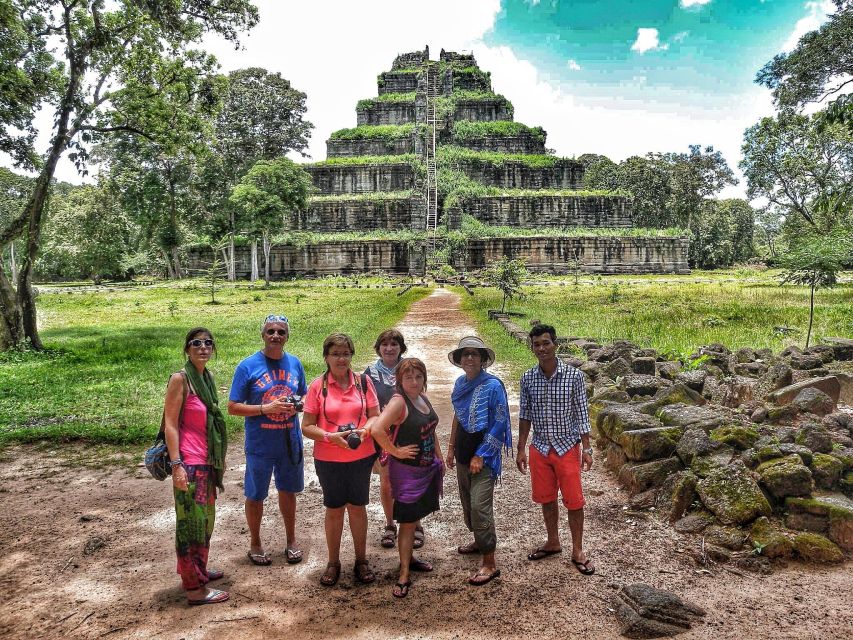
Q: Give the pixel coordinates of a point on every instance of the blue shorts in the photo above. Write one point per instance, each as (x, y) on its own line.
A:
(289, 477)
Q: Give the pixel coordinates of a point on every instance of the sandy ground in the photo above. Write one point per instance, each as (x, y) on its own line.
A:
(54, 586)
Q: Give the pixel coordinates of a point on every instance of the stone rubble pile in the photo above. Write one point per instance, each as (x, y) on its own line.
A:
(752, 450)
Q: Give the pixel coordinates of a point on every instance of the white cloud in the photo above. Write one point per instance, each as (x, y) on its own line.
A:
(816, 14)
(647, 40)
(680, 36)
(687, 4)
(573, 65)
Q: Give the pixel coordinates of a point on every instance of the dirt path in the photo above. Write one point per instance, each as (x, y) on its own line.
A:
(50, 508)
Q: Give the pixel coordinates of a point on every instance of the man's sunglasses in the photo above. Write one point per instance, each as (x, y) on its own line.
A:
(207, 342)
(274, 332)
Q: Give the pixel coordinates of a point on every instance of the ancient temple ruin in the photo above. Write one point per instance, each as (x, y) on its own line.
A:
(435, 151)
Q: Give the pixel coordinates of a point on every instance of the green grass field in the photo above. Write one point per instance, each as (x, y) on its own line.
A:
(678, 313)
(110, 353)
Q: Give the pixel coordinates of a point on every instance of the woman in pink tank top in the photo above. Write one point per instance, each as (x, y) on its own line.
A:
(193, 478)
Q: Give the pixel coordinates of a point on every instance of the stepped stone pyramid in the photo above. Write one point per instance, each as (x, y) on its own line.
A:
(436, 145)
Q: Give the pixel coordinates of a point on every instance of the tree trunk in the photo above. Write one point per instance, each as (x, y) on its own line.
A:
(170, 271)
(811, 316)
(11, 321)
(231, 262)
(176, 258)
(13, 264)
(267, 248)
(224, 258)
(254, 275)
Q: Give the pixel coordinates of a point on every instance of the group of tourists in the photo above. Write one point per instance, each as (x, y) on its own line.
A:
(380, 421)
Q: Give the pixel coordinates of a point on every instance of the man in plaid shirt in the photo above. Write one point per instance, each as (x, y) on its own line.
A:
(553, 400)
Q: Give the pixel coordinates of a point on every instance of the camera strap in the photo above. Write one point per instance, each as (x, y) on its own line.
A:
(287, 430)
(360, 383)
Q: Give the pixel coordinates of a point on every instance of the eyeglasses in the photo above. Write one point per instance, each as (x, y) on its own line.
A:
(470, 354)
(276, 332)
(339, 356)
(207, 342)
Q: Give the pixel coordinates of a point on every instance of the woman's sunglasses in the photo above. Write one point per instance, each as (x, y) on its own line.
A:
(207, 342)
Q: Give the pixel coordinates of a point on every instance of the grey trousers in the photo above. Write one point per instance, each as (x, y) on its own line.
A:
(477, 492)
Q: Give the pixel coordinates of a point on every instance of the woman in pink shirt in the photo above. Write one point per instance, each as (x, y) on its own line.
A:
(197, 440)
(337, 407)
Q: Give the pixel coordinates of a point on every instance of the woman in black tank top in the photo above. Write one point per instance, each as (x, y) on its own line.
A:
(406, 430)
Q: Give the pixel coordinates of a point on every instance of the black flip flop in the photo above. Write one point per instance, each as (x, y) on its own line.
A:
(403, 588)
(479, 583)
(293, 555)
(259, 559)
(583, 567)
(538, 554)
(420, 565)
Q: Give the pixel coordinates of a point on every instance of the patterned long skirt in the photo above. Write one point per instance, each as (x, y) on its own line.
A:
(195, 509)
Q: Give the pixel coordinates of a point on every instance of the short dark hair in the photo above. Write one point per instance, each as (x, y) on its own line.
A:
(338, 340)
(541, 329)
(390, 334)
(404, 367)
(195, 331)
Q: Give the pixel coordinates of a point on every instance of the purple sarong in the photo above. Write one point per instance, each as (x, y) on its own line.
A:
(409, 483)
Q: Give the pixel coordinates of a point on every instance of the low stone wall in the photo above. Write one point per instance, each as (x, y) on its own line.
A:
(566, 174)
(481, 110)
(545, 211)
(378, 147)
(593, 254)
(386, 113)
(333, 179)
(504, 144)
(328, 258)
(363, 215)
(391, 82)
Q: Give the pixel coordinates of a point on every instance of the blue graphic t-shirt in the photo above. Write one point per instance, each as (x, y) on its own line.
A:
(260, 379)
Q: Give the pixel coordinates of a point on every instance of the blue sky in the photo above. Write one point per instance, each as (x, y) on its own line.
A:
(619, 78)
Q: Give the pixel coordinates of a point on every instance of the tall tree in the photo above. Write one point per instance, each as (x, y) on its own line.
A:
(261, 119)
(102, 60)
(271, 192)
(820, 67)
(804, 169)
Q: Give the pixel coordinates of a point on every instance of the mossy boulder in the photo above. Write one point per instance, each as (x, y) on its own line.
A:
(675, 495)
(614, 457)
(676, 394)
(732, 495)
(844, 455)
(826, 470)
(649, 444)
(815, 437)
(641, 477)
(615, 419)
(679, 415)
(736, 435)
(727, 537)
(769, 541)
(813, 547)
(616, 368)
(811, 400)
(694, 379)
(637, 384)
(805, 453)
(837, 507)
(695, 442)
(786, 476)
(702, 466)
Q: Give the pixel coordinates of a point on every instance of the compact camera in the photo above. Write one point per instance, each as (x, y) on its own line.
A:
(296, 401)
(353, 439)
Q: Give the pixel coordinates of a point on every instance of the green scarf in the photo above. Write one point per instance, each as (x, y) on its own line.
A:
(217, 436)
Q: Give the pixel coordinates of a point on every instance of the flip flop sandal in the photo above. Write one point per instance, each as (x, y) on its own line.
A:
(479, 579)
(259, 559)
(401, 589)
(540, 553)
(293, 555)
(363, 573)
(213, 596)
(331, 574)
(389, 536)
(467, 549)
(583, 567)
(419, 565)
(215, 574)
(420, 538)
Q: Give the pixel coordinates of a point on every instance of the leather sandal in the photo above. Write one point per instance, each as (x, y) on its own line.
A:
(331, 574)
(420, 538)
(363, 573)
(389, 536)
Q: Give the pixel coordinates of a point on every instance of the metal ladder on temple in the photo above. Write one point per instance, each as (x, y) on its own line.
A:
(432, 177)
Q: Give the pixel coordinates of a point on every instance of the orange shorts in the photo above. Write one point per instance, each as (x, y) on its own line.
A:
(552, 472)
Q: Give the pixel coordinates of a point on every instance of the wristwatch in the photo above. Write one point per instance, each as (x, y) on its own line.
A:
(588, 452)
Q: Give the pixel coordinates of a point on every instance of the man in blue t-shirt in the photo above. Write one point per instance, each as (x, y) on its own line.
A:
(261, 393)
